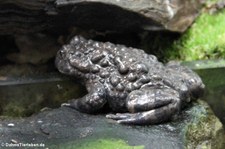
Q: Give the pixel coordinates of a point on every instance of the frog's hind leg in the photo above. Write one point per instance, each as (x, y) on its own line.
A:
(149, 106)
(185, 80)
(90, 103)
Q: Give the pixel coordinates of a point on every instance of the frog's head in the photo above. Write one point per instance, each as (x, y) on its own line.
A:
(72, 59)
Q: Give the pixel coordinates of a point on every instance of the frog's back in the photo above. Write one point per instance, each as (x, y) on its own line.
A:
(118, 67)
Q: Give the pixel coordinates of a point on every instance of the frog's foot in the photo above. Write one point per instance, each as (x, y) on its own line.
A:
(149, 106)
(143, 118)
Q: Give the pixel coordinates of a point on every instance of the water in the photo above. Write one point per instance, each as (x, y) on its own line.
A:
(24, 96)
(214, 79)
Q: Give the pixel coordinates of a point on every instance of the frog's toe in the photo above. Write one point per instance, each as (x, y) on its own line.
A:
(127, 121)
(119, 116)
(70, 104)
(126, 118)
(65, 105)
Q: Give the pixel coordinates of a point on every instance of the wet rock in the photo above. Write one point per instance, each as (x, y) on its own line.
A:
(197, 127)
(117, 15)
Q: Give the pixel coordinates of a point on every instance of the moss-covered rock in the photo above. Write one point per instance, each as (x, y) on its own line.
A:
(204, 40)
(205, 130)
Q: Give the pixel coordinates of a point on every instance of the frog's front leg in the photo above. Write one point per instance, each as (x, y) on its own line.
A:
(90, 103)
(149, 106)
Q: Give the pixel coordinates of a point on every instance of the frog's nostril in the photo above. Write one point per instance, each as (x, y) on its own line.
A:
(62, 53)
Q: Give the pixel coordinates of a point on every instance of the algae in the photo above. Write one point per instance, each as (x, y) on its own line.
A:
(205, 129)
(22, 100)
(98, 144)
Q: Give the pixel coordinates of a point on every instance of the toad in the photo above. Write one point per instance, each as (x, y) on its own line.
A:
(136, 86)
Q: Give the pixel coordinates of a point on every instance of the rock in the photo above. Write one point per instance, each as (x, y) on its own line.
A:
(205, 130)
(196, 127)
(117, 15)
(214, 6)
(34, 49)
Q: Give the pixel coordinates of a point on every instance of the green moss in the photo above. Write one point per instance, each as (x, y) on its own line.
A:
(204, 40)
(209, 2)
(108, 144)
(99, 144)
(13, 109)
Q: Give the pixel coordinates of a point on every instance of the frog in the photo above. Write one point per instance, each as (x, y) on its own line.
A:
(136, 87)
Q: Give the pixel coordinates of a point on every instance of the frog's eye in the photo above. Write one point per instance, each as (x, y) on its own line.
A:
(71, 52)
(77, 54)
